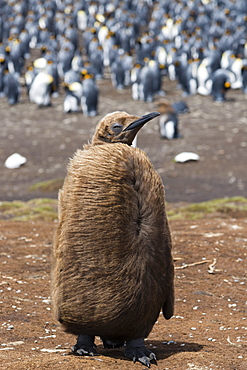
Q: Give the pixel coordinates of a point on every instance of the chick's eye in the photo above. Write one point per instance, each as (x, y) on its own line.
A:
(117, 127)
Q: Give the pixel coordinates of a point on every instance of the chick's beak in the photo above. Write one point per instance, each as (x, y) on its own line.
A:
(141, 121)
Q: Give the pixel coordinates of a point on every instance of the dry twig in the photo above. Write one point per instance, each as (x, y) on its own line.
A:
(191, 264)
(211, 267)
(233, 344)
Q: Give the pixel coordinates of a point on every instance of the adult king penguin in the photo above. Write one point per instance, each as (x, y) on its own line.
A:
(168, 120)
(113, 269)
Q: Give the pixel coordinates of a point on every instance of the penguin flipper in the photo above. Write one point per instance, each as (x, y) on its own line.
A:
(84, 346)
(136, 351)
(168, 307)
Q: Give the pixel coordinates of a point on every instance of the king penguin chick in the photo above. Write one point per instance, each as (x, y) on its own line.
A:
(112, 264)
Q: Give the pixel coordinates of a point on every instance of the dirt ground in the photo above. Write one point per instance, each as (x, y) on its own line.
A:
(209, 329)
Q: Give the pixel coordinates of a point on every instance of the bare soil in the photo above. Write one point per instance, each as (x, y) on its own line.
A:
(209, 329)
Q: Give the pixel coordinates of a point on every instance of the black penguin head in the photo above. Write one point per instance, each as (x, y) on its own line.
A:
(120, 127)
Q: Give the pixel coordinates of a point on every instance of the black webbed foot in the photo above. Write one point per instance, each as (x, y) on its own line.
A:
(136, 351)
(84, 346)
(112, 343)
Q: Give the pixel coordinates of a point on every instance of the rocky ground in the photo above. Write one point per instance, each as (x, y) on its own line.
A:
(209, 329)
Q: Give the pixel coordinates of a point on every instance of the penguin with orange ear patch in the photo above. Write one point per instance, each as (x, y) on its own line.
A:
(89, 100)
(40, 89)
(168, 120)
(244, 78)
(220, 84)
(73, 95)
(11, 87)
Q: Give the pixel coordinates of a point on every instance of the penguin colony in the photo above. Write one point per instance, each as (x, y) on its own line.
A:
(201, 44)
(113, 268)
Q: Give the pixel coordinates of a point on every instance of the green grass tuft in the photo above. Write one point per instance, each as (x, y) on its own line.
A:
(46, 209)
(234, 207)
(35, 209)
(47, 186)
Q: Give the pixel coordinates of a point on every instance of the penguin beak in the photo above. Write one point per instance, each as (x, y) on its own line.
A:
(141, 121)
